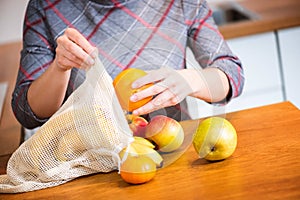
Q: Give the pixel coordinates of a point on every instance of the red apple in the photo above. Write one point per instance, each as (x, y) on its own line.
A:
(165, 132)
(137, 125)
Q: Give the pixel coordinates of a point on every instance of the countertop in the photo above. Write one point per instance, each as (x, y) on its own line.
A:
(272, 15)
(265, 165)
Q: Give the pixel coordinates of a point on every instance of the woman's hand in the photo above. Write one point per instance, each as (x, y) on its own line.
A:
(73, 50)
(172, 86)
(46, 94)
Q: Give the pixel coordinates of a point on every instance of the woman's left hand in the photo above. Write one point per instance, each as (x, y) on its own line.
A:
(170, 88)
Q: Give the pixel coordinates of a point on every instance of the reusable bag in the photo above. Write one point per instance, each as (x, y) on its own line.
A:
(83, 137)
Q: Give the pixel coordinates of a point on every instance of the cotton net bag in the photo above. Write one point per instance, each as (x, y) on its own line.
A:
(83, 137)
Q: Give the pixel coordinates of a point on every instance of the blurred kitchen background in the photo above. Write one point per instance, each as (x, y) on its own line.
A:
(11, 20)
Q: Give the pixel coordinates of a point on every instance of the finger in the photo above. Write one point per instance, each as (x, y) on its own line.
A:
(63, 53)
(163, 100)
(152, 77)
(65, 64)
(78, 44)
(82, 65)
(79, 39)
(77, 51)
(145, 109)
(148, 92)
(77, 61)
(65, 59)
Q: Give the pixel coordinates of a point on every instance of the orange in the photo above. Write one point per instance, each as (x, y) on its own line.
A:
(137, 169)
(122, 84)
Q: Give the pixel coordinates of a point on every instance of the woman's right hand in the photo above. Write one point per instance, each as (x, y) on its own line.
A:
(73, 50)
(46, 94)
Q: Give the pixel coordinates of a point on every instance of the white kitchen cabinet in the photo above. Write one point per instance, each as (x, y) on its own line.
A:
(289, 41)
(263, 84)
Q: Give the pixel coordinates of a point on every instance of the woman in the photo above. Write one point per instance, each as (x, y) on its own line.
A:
(60, 37)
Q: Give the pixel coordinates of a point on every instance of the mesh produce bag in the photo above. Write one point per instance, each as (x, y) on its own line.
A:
(83, 137)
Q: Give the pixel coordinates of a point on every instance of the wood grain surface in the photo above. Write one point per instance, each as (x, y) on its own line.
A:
(265, 165)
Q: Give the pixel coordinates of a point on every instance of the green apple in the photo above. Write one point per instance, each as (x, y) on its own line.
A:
(215, 139)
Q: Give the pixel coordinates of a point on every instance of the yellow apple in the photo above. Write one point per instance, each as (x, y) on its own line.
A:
(215, 139)
(142, 147)
(165, 132)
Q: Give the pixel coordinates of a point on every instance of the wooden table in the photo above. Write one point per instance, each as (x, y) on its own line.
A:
(265, 165)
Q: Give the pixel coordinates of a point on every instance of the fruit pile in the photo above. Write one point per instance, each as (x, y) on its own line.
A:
(141, 158)
(215, 138)
(161, 133)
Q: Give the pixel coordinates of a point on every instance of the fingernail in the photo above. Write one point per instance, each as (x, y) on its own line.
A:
(133, 85)
(133, 98)
(135, 112)
(94, 54)
(90, 61)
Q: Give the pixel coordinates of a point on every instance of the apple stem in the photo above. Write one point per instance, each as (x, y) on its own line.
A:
(213, 148)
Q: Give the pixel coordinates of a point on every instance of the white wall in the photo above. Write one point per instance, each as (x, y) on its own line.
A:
(11, 20)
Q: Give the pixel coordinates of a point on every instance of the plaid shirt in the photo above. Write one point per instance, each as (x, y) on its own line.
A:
(143, 34)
